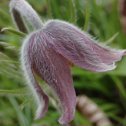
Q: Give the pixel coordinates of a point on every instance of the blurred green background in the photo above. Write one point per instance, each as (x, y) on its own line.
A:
(101, 19)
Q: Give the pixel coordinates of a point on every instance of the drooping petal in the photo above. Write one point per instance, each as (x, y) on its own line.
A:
(27, 66)
(43, 102)
(80, 49)
(54, 69)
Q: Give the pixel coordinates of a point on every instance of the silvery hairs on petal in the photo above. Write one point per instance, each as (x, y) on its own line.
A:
(79, 47)
(52, 68)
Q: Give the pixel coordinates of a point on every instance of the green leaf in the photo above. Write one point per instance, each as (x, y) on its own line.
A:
(11, 30)
(16, 92)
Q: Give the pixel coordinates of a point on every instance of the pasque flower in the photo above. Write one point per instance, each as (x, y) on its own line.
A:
(50, 49)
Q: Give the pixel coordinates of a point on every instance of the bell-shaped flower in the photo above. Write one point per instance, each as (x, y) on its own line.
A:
(49, 52)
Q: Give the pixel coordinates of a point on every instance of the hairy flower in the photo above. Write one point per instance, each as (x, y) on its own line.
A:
(48, 52)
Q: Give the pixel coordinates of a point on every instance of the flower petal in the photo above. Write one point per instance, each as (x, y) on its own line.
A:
(80, 49)
(54, 69)
(27, 66)
(43, 104)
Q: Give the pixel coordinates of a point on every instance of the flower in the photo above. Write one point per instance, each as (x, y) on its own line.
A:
(49, 52)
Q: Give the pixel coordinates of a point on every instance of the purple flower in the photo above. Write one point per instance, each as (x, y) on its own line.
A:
(48, 53)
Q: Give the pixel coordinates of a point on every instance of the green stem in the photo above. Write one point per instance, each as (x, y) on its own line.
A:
(11, 30)
(16, 92)
(121, 90)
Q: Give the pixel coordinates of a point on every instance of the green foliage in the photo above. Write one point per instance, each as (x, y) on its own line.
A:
(108, 90)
